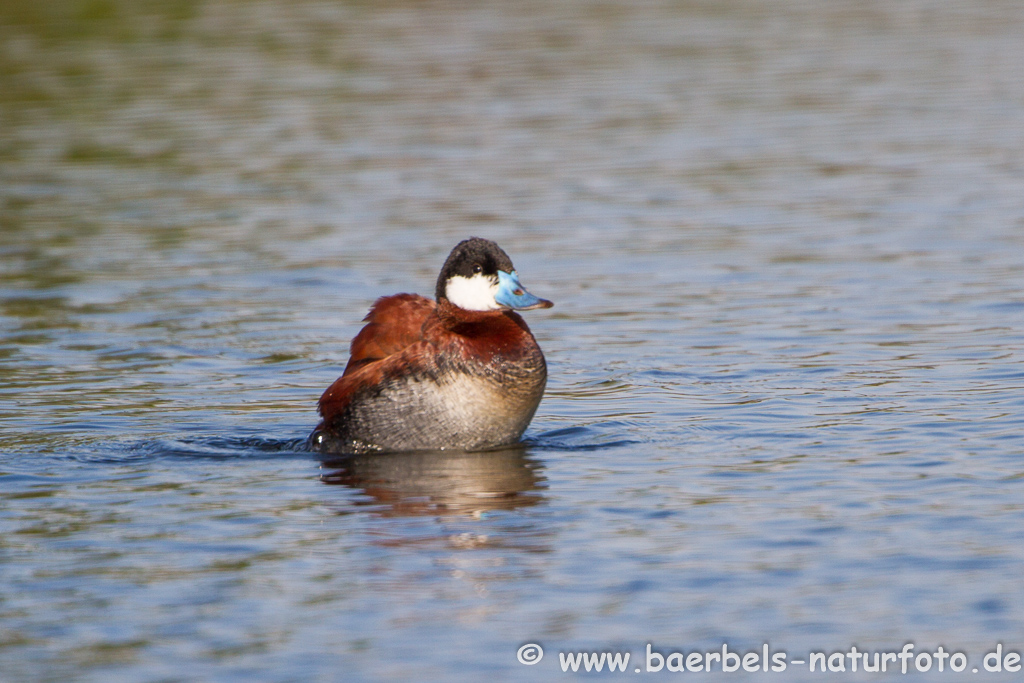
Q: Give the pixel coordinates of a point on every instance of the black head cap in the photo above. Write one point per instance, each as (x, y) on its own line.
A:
(471, 257)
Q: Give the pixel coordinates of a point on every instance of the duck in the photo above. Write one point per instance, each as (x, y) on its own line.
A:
(461, 371)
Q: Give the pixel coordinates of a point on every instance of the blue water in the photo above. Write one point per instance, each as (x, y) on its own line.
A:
(786, 358)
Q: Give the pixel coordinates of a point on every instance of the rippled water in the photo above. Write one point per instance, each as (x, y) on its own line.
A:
(786, 246)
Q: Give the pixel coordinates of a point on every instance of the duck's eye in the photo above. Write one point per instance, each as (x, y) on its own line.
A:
(478, 268)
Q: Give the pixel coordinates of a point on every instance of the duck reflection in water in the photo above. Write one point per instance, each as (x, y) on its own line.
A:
(436, 482)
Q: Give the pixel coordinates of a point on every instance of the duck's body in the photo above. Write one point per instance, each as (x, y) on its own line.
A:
(440, 375)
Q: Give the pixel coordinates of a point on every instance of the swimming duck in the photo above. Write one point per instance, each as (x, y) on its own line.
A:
(462, 372)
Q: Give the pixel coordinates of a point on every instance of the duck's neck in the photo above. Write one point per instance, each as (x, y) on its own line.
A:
(507, 325)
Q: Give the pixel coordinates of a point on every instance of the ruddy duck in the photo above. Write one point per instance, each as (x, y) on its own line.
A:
(463, 372)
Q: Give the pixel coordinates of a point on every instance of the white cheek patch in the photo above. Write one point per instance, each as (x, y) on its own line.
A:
(473, 293)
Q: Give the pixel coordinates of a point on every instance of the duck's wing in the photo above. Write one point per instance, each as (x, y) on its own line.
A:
(393, 324)
(413, 360)
(388, 342)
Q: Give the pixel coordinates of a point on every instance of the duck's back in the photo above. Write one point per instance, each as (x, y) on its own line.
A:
(424, 376)
(393, 324)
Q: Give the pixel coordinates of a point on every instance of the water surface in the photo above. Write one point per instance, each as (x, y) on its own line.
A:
(786, 246)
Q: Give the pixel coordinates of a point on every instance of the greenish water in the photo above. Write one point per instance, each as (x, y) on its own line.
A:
(786, 246)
